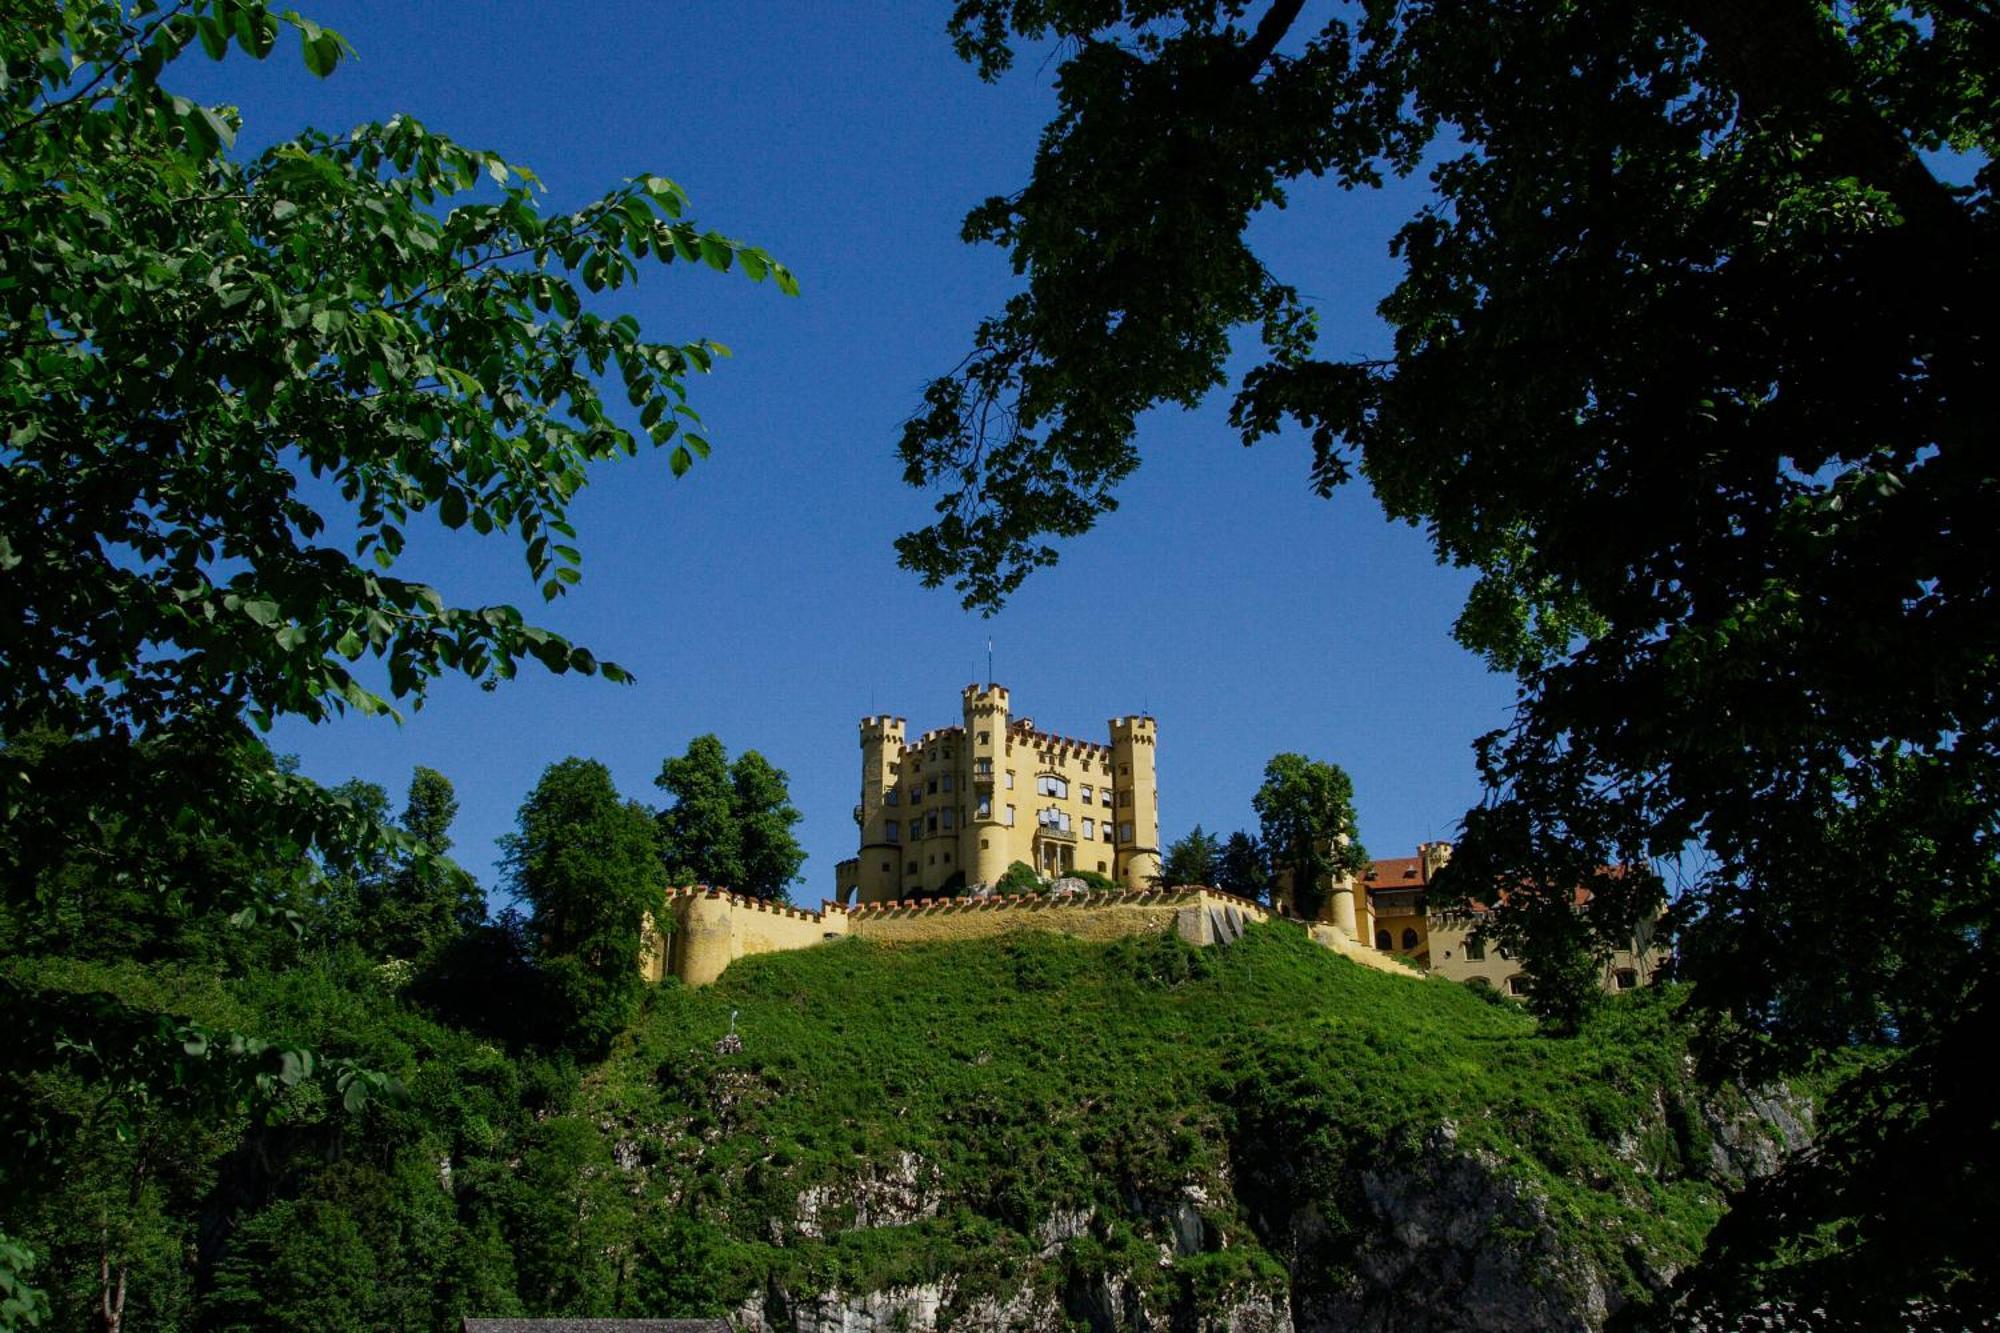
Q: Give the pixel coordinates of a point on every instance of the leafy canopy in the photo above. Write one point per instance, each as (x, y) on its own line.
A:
(730, 824)
(1305, 810)
(1692, 361)
(585, 860)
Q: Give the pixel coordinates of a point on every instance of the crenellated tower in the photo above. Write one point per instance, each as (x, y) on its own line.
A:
(987, 845)
(879, 873)
(1135, 758)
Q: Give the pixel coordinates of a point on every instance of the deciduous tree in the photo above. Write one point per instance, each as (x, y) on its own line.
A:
(729, 824)
(1692, 360)
(1306, 811)
(585, 859)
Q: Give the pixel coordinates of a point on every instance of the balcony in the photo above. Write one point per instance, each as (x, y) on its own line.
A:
(1050, 833)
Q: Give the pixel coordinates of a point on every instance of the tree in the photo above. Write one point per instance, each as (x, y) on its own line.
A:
(765, 816)
(1306, 812)
(1243, 868)
(1195, 859)
(729, 824)
(330, 310)
(585, 860)
(1693, 361)
(210, 363)
(428, 899)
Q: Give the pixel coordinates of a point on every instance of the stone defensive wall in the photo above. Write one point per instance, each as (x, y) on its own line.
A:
(712, 928)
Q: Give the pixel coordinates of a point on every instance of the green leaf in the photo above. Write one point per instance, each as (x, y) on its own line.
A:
(680, 460)
(262, 610)
(214, 39)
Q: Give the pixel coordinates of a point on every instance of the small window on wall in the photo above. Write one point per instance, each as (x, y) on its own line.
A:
(1383, 942)
(985, 806)
(1475, 950)
(1107, 830)
(1125, 798)
(984, 844)
(893, 831)
(1104, 798)
(911, 869)
(1516, 985)
(1409, 939)
(1087, 797)
(1010, 817)
(985, 738)
(1627, 978)
(1089, 828)
(932, 789)
(947, 819)
(1125, 832)
(1100, 867)
(1010, 779)
(947, 782)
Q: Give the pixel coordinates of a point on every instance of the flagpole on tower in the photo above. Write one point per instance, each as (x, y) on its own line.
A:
(989, 661)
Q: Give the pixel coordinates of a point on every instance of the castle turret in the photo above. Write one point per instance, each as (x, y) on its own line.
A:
(1134, 756)
(878, 877)
(985, 844)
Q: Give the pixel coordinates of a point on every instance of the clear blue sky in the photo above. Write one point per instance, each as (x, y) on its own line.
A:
(758, 598)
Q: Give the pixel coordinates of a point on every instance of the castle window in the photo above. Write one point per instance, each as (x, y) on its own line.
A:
(1626, 978)
(931, 826)
(1009, 821)
(1475, 950)
(985, 738)
(893, 831)
(1089, 827)
(891, 797)
(1125, 798)
(985, 806)
(1409, 939)
(984, 844)
(887, 866)
(1100, 867)
(932, 789)
(947, 819)
(983, 767)
(1382, 941)
(1087, 797)
(1514, 985)
(1125, 831)
(947, 782)
(947, 858)
(910, 869)
(932, 859)
(1010, 779)
(1107, 830)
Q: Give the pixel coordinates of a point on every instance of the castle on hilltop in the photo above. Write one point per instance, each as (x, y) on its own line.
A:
(950, 812)
(941, 820)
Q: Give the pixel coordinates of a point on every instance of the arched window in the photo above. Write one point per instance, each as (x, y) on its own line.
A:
(1409, 939)
(1383, 942)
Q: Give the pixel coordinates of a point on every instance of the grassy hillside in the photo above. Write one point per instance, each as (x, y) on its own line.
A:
(1000, 1087)
(1036, 1132)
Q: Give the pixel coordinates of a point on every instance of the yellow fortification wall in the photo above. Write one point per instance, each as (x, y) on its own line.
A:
(713, 928)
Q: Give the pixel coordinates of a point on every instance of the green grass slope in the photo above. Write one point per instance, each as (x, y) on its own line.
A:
(957, 1111)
